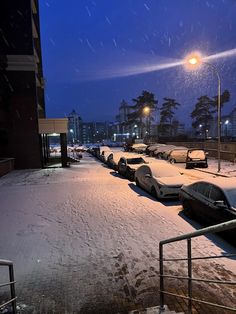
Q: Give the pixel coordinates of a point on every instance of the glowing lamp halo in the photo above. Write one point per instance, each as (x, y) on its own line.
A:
(193, 60)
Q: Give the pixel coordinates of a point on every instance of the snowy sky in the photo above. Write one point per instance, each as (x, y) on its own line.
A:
(92, 48)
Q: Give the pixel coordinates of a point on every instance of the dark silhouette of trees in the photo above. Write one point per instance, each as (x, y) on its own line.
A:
(202, 115)
(204, 111)
(167, 113)
(146, 99)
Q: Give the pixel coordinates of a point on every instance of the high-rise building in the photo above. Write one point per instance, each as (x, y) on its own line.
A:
(74, 128)
(21, 82)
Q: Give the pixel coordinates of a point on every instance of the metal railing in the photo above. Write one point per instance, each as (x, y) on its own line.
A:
(189, 278)
(11, 283)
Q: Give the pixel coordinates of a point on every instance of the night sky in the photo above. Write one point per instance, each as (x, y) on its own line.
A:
(91, 50)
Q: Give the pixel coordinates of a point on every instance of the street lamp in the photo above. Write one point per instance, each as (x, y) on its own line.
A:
(226, 128)
(146, 111)
(194, 61)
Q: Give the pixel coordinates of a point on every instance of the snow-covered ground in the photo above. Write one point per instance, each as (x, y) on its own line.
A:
(85, 239)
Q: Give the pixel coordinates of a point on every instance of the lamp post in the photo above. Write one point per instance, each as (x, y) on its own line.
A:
(192, 62)
(146, 111)
(226, 128)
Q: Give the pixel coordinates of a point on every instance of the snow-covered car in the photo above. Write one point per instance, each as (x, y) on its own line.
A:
(160, 179)
(128, 165)
(139, 148)
(177, 155)
(105, 155)
(211, 201)
(166, 153)
(114, 157)
(196, 158)
(151, 148)
(102, 151)
(161, 149)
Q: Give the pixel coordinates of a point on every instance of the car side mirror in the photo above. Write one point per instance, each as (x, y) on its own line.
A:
(148, 175)
(220, 204)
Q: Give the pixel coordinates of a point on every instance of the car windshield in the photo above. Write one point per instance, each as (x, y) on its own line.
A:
(164, 170)
(133, 161)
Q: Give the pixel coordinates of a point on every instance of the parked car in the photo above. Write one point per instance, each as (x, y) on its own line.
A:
(177, 155)
(139, 148)
(211, 201)
(161, 149)
(104, 153)
(114, 157)
(128, 165)
(166, 153)
(160, 179)
(151, 148)
(196, 158)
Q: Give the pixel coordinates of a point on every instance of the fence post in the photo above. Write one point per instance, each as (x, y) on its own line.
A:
(12, 287)
(161, 278)
(189, 249)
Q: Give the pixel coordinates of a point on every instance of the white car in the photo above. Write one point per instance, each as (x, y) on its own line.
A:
(114, 157)
(160, 179)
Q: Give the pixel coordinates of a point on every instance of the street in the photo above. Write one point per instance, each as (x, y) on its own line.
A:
(85, 240)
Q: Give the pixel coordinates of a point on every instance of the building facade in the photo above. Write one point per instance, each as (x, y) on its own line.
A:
(21, 83)
(74, 128)
(94, 132)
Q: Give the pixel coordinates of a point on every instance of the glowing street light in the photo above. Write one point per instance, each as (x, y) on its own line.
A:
(194, 61)
(146, 110)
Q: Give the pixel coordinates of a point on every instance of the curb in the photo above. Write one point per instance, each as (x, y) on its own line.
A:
(214, 173)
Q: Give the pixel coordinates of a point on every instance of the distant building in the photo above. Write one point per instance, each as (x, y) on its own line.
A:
(93, 132)
(21, 83)
(74, 128)
(228, 125)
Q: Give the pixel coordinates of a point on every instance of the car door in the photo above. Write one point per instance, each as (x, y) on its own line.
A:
(147, 178)
(201, 201)
(219, 212)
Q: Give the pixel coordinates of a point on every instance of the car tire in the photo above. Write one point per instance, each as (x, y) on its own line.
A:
(188, 167)
(172, 161)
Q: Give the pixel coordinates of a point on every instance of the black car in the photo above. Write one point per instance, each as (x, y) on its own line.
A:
(128, 165)
(211, 201)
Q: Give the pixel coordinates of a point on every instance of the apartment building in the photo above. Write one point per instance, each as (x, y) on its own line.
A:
(21, 82)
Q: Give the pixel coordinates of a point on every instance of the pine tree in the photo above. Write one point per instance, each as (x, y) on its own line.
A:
(167, 114)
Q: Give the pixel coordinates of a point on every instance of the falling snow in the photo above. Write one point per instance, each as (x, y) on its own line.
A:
(88, 11)
(146, 7)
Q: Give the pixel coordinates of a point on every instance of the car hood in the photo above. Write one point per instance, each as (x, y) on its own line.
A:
(172, 181)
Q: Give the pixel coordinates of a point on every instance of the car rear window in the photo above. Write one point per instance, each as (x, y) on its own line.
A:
(199, 154)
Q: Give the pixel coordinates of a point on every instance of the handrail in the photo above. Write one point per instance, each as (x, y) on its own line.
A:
(189, 278)
(11, 283)
(212, 229)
